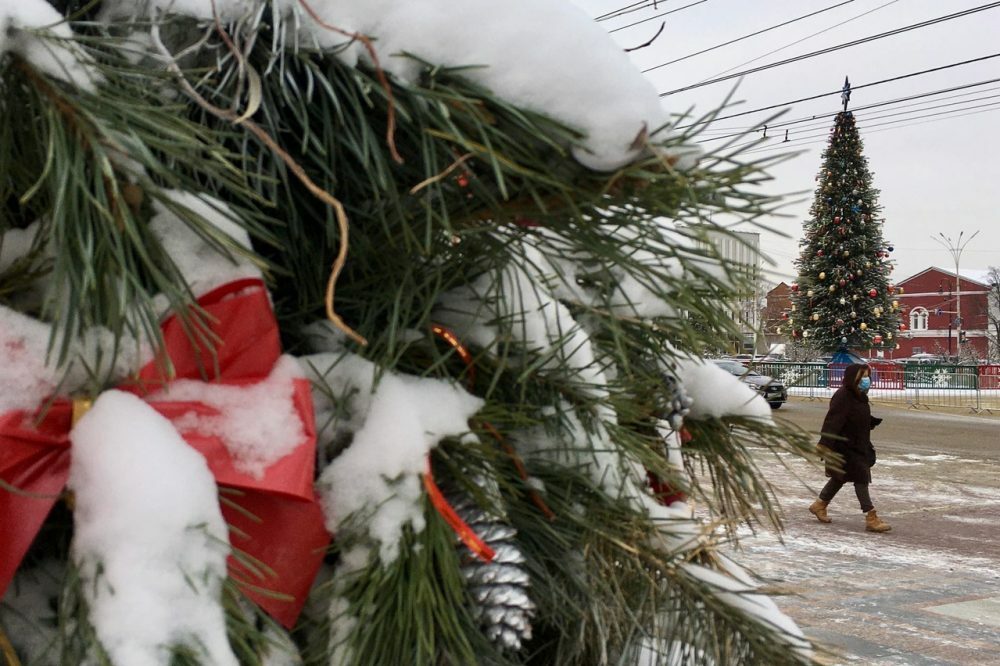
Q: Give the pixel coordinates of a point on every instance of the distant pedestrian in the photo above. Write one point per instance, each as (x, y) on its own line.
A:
(847, 432)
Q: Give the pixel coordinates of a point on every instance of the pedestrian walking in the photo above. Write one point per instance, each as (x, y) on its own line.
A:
(847, 432)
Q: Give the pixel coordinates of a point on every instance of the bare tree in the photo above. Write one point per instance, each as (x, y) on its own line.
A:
(993, 313)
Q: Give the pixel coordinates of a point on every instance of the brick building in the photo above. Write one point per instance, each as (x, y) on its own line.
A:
(777, 302)
(930, 307)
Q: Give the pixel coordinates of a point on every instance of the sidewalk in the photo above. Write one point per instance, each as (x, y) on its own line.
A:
(927, 593)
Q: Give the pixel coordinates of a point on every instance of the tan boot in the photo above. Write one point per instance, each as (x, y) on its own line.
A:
(875, 524)
(818, 509)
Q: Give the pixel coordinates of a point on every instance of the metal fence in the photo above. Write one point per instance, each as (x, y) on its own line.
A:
(976, 388)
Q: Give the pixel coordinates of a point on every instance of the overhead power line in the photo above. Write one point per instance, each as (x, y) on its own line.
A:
(627, 9)
(752, 34)
(748, 128)
(788, 147)
(920, 108)
(767, 142)
(788, 123)
(839, 90)
(838, 47)
(824, 137)
(803, 39)
(652, 18)
(864, 122)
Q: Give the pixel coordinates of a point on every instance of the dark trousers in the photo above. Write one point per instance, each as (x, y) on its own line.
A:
(860, 489)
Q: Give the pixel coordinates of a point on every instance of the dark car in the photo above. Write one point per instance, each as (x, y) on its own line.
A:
(771, 389)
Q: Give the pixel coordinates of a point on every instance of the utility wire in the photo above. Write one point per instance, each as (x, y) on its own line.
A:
(821, 138)
(804, 39)
(769, 149)
(652, 18)
(838, 91)
(741, 131)
(824, 135)
(740, 39)
(831, 49)
(863, 123)
(735, 131)
(869, 118)
(627, 9)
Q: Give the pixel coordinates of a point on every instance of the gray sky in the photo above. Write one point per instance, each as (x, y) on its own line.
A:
(936, 174)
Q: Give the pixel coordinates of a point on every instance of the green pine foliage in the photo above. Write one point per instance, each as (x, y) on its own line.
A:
(844, 296)
(85, 166)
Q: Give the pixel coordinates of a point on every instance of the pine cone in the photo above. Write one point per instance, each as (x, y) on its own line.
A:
(676, 403)
(499, 589)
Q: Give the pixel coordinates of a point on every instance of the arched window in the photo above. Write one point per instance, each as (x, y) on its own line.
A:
(918, 319)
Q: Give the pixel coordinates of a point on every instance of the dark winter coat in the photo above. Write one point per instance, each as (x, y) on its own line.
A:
(847, 430)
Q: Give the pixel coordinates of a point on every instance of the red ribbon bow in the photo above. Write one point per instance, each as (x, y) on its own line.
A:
(275, 520)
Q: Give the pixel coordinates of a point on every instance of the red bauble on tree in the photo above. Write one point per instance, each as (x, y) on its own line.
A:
(877, 339)
(873, 293)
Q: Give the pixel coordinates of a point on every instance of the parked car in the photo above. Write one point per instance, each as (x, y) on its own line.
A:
(882, 361)
(773, 390)
(923, 359)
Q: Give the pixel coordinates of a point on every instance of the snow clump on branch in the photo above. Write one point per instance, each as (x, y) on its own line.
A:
(544, 55)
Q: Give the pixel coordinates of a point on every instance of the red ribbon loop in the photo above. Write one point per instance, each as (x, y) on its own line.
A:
(275, 520)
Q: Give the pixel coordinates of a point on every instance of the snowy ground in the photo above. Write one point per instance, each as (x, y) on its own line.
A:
(926, 593)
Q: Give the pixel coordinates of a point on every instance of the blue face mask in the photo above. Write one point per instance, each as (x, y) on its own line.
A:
(865, 384)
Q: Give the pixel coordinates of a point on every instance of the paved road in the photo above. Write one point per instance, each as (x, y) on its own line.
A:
(911, 430)
(927, 593)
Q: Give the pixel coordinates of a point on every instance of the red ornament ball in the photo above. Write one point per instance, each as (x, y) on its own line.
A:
(819, 253)
(902, 327)
(843, 282)
(795, 287)
(877, 339)
(836, 220)
(873, 293)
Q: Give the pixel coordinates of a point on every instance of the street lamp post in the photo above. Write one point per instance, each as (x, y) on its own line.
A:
(955, 249)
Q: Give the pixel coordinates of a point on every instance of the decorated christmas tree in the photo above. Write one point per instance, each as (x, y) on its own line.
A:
(844, 297)
(357, 332)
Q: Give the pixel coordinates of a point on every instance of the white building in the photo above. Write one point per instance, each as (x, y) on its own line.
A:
(742, 248)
